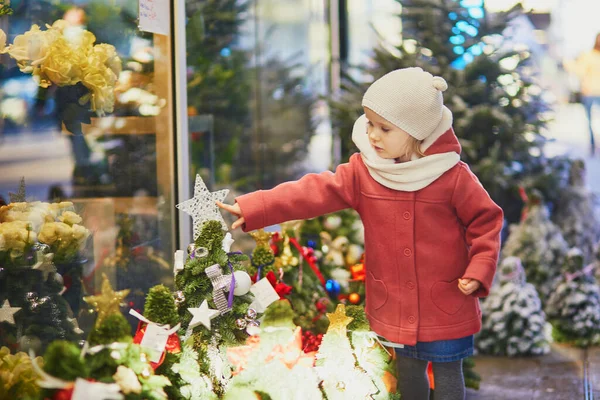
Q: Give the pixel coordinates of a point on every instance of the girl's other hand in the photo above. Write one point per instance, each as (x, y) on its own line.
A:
(234, 210)
(468, 286)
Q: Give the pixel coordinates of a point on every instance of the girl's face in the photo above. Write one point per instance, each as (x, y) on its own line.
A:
(387, 139)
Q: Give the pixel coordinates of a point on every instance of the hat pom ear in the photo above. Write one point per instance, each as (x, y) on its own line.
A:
(439, 83)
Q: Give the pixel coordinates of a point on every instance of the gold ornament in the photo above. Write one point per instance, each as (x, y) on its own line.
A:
(294, 226)
(108, 302)
(261, 237)
(287, 258)
(339, 320)
(354, 298)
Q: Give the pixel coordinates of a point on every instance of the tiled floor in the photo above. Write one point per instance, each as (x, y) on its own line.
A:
(556, 376)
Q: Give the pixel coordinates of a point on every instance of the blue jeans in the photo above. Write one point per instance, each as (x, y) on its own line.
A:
(588, 103)
(439, 351)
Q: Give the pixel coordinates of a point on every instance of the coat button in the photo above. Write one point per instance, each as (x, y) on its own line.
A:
(407, 252)
(410, 285)
(406, 215)
(411, 319)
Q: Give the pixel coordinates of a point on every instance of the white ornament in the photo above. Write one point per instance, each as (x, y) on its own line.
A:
(227, 242)
(7, 313)
(242, 283)
(202, 315)
(332, 222)
(202, 207)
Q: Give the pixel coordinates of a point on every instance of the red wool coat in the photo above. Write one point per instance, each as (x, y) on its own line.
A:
(417, 244)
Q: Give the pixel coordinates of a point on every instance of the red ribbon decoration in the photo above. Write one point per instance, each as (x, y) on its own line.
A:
(281, 288)
(173, 343)
(308, 254)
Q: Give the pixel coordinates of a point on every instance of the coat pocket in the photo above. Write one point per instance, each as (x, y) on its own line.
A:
(447, 296)
(376, 292)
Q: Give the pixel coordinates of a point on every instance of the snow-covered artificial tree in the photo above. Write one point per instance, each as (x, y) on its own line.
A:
(540, 245)
(575, 213)
(514, 322)
(573, 308)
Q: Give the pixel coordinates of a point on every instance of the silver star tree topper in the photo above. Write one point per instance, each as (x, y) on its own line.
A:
(202, 207)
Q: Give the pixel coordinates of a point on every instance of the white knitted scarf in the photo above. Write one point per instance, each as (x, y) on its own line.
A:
(408, 176)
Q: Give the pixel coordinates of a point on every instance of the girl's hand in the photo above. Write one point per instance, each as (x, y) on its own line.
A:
(468, 286)
(234, 210)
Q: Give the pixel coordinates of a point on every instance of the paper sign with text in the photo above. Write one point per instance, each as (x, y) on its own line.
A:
(155, 16)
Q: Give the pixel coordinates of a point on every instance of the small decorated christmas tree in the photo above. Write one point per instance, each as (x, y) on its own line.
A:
(574, 305)
(575, 213)
(336, 363)
(514, 323)
(539, 244)
(213, 288)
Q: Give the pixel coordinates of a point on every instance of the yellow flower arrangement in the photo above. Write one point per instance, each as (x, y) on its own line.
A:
(66, 57)
(53, 224)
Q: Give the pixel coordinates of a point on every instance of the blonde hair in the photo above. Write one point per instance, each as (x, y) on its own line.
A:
(413, 146)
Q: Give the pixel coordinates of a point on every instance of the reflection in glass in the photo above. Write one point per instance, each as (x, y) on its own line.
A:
(115, 166)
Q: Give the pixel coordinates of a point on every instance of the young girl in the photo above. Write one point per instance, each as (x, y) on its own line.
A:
(432, 233)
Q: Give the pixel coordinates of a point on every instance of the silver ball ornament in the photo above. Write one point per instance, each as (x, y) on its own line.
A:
(241, 323)
(31, 296)
(251, 313)
(200, 252)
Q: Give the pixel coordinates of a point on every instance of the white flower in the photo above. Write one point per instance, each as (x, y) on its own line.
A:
(127, 380)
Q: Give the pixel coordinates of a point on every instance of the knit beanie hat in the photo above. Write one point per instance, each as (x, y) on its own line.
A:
(409, 98)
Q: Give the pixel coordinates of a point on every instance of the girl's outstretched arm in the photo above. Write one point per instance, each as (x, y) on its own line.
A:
(308, 197)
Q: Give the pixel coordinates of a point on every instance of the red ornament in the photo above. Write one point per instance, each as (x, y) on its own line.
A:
(173, 343)
(63, 394)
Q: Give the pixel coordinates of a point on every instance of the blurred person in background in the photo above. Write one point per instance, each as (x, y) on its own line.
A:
(587, 69)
